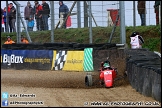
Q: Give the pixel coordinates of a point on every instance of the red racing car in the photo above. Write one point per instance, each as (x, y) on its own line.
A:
(107, 75)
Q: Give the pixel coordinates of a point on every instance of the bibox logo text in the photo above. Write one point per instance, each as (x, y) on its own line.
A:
(12, 59)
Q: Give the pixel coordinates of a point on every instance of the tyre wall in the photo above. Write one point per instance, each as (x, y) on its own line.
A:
(144, 72)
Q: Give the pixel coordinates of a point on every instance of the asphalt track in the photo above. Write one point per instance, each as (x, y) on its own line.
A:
(67, 89)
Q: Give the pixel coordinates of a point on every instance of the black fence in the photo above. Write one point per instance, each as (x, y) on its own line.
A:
(58, 46)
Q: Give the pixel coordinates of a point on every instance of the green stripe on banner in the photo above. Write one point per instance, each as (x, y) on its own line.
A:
(88, 59)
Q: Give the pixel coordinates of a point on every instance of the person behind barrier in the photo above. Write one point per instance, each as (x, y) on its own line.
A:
(23, 40)
(136, 40)
(45, 14)
(2, 11)
(12, 17)
(38, 16)
(156, 10)
(9, 40)
(29, 16)
(63, 12)
(141, 7)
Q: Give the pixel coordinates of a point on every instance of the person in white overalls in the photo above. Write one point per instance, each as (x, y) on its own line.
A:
(136, 40)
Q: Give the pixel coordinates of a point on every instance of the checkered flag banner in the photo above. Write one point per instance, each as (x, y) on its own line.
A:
(60, 59)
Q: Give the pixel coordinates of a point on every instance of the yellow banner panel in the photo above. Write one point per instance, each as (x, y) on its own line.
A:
(74, 61)
(53, 60)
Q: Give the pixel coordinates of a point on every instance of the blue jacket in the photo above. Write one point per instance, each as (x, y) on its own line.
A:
(31, 23)
(4, 18)
(63, 8)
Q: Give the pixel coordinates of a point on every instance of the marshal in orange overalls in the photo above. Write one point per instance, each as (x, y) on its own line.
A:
(9, 40)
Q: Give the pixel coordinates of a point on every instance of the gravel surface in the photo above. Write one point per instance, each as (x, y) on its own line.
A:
(66, 89)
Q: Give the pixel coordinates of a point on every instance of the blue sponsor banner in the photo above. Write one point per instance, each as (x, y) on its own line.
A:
(32, 59)
(34, 53)
(4, 64)
(6, 55)
(23, 53)
(42, 53)
(8, 52)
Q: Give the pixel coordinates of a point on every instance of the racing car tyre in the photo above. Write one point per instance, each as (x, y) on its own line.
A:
(88, 80)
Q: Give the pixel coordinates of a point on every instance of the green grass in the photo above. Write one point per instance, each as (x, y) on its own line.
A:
(151, 35)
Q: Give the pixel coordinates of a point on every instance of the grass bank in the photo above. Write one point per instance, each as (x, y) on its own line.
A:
(151, 35)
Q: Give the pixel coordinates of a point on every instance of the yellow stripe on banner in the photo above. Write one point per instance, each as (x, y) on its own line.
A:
(54, 58)
(74, 61)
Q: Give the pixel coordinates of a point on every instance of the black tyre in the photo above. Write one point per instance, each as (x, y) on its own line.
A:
(88, 80)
